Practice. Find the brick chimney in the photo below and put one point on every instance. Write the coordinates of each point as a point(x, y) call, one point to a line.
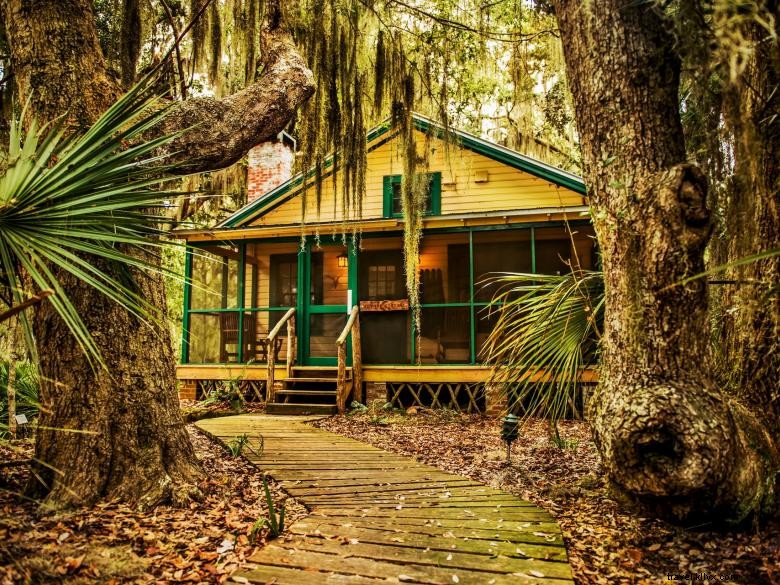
point(269, 165)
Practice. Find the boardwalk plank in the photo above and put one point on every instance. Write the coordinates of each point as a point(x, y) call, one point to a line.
point(411, 540)
point(448, 559)
point(346, 562)
point(540, 535)
point(378, 517)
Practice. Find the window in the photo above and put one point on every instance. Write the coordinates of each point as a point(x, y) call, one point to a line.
point(381, 281)
point(393, 206)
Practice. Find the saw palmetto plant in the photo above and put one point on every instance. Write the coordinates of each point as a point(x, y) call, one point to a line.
point(69, 200)
point(547, 333)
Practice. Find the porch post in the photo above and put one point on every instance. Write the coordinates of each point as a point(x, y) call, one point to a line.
point(241, 301)
point(185, 320)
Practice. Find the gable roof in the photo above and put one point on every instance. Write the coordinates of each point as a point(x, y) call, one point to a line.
point(463, 139)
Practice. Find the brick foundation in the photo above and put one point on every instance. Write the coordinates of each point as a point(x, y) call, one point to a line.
point(188, 389)
point(495, 401)
point(376, 392)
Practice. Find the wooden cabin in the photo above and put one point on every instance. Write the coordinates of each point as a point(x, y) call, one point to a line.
point(350, 335)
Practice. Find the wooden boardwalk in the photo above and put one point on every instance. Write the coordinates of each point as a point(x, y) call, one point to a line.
point(379, 517)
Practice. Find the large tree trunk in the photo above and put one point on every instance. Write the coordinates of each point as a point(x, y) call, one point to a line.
point(668, 435)
point(115, 433)
point(119, 433)
point(751, 225)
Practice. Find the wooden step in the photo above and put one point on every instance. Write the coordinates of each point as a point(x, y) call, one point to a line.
point(299, 409)
point(317, 372)
point(313, 380)
point(306, 392)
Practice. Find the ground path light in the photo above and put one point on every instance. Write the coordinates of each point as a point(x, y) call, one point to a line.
point(509, 432)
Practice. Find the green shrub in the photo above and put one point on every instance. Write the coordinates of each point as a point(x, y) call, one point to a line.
point(274, 521)
point(26, 386)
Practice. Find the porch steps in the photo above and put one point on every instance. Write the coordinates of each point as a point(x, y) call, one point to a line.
point(309, 390)
point(299, 409)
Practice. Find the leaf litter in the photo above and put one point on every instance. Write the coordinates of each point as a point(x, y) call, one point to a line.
point(114, 543)
point(608, 540)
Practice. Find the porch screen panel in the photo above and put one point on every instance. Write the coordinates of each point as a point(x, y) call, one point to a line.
point(559, 249)
point(206, 338)
point(270, 289)
point(324, 330)
point(214, 278)
point(213, 315)
point(553, 250)
point(271, 275)
point(385, 335)
point(485, 318)
point(444, 335)
point(496, 253)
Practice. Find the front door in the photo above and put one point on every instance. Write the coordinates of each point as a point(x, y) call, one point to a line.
point(384, 335)
point(324, 309)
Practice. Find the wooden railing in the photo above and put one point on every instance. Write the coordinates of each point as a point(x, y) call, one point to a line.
point(342, 389)
point(289, 319)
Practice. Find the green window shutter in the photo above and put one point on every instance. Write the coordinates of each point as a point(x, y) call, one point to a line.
point(389, 181)
point(435, 193)
point(387, 200)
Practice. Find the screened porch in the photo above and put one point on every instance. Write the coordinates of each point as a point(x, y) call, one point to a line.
point(241, 291)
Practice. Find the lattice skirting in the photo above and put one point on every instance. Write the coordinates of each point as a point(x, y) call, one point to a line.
point(252, 390)
point(457, 396)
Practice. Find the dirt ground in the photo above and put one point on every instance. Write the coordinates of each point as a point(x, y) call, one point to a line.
point(608, 542)
point(113, 543)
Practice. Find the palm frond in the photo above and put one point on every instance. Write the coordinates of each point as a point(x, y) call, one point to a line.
point(546, 335)
point(67, 200)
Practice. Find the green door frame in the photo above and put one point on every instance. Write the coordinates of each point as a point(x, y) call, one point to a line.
point(306, 309)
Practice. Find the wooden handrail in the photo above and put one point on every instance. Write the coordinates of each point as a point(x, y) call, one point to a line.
point(350, 322)
point(352, 326)
point(289, 320)
point(275, 331)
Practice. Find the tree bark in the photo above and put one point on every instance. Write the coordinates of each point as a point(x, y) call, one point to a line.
point(668, 435)
point(751, 305)
point(119, 433)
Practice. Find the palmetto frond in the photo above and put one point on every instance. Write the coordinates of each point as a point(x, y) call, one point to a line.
point(66, 201)
point(546, 334)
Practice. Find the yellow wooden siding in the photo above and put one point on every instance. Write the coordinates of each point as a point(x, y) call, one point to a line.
point(505, 189)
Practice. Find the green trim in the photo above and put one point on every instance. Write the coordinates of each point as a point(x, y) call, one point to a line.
point(413, 333)
point(471, 299)
point(533, 250)
point(301, 321)
point(226, 282)
point(352, 284)
point(388, 181)
point(307, 309)
point(241, 301)
point(246, 310)
point(185, 318)
point(471, 142)
point(503, 155)
point(326, 309)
